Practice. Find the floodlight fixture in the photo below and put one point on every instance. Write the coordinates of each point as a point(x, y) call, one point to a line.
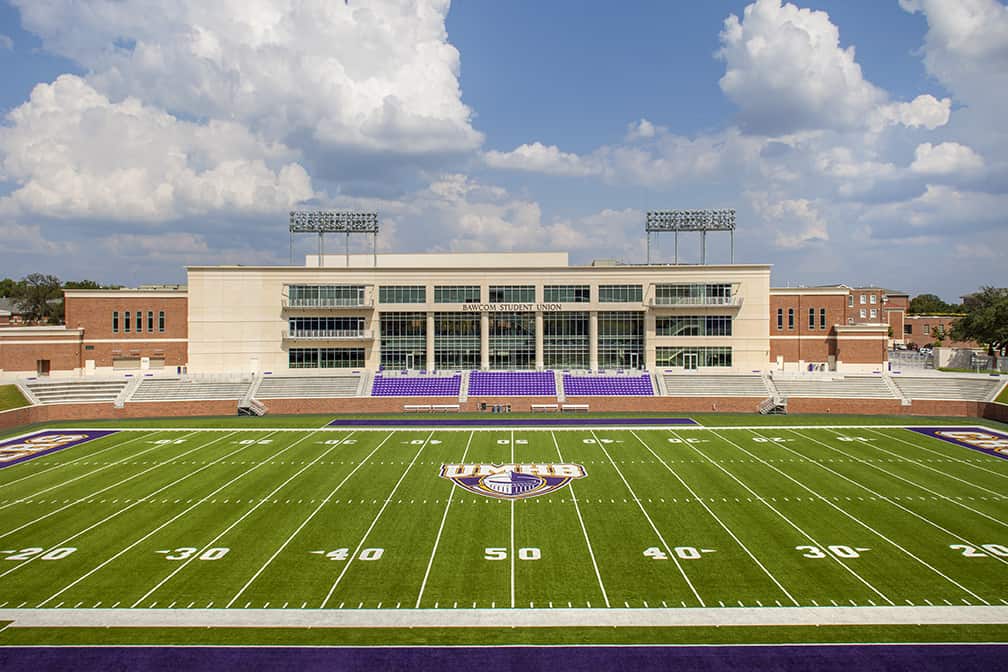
point(676, 221)
point(346, 222)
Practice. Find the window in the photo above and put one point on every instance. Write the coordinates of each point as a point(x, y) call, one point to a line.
point(457, 294)
point(325, 296)
point(620, 340)
point(862, 313)
point(822, 318)
point(565, 340)
point(790, 318)
point(457, 340)
point(873, 299)
point(403, 294)
point(512, 294)
point(139, 321)
point(325, 327)
point(926, 330)
point(874, 313)
point(689, 357)
point(780, 319)
point(908, 330)
point(701, 325)
point(115, 321)
point(620, 294)
point(160, 321)
point(404, 340)
point(512, 340)
point(126, 321)
point(325, 358)
point(862, 299)
point(150, 321)
point(666, 295)
point(850, 300)
point(566, 294)
point(811, 318)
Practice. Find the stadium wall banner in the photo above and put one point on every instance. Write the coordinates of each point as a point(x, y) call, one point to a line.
point(512, 481)
point(13, 451)
point(980, 439)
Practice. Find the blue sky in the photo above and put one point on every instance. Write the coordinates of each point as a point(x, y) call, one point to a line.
point(860, 142)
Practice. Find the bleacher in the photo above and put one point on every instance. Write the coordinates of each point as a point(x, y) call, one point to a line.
point(512, 384)
point(850, 387)
point(697, 385)
point(935, 387)
point(587, 385)
point(174, 389)
point(420, 385)
point(307, 387)
point(76, 391)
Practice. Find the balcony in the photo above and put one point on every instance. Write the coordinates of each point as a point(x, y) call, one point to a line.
point(327, 304)
point(328, 335)
point(674, 302)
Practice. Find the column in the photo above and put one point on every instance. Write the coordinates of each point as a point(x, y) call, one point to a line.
point(430, 342)
point(650, 331)
point(484, 341)
point(593, 340)
point(539, 340)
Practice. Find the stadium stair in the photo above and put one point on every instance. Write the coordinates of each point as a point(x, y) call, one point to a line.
point(720, 385)
point(898, 393)
point(308, 387)
point(851, 387)
point(948, 389)
point(76, 392)
point(175, 389)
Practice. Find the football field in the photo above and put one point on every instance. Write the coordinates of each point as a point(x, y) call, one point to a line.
point(368, 519)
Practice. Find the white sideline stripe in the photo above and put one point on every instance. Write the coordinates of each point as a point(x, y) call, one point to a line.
point(911, 482)
point(164, 524)
point(903, 441)
point(511, 550)
point(716, 518)
point(900, 506)
point(405, 618)
point(766, 502)
point(584, 530)
point(78, 500)
point(127, 508)
point(308, 519)
point(858, 520)
point(85, 456)
point(444, 517)
point(947, 456)
point(637, 499)
point(374, 522)
point(237, 522)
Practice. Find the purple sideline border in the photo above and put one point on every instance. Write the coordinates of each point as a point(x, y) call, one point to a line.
point(727, 658)
point(90, 435)
point(513, 422)
point(933, 433)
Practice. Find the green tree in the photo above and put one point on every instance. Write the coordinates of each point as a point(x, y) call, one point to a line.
point(930, 304)
point(81, 284)
point(986, 319)
point(32, 296)
point(7, 287)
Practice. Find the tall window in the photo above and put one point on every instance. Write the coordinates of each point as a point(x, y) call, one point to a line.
point(872, 299)
point(456, 340)
point(404, 340)
point(566, 293)
point(811, 318)
point(790, 318)
point(139, 321)
point(926, 330)
point(862, 299)
point(160, 321)
point(861, 313)
point(565, 340)
point(850, 300)
point(620, 340)
point(126, 321)
point(512, 294)
point(150, 321)
point(694, 325)
point(780, 319)
point(115, 321)
point(325, 358)
point(402, 294)
point(620, 294)
point(874, 313)
point(512, 340)
point(457, 294)
point(822, 318)
point(719, 294)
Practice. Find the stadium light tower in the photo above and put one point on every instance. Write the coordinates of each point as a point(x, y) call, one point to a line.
point(334, 221)
point(690, 220)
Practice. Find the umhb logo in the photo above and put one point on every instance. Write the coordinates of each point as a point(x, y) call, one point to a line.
point(977, 438)
point(512, 481)
point(41, 443)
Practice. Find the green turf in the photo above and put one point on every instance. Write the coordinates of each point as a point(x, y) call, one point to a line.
point(11, 397)
point(739, 516)
point(1003, 397)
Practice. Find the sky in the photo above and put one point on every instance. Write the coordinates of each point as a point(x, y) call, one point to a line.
point(860, 141)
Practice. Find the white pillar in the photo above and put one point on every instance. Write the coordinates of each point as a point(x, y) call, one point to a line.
point(593, 340)
point(539, 340)
point(484, 341)
point(430, 342)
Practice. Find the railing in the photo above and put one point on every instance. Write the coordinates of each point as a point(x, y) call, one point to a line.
point(694, 301)
point(328, 334)
point(365, 302)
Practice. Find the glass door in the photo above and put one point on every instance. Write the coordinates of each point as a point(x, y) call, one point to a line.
point(690, 361)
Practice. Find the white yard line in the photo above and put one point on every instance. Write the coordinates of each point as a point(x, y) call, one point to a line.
point(939, 453)
point(857, 520)
point(765, 501)
point(307, 520)
point(136, 502)
point(584, 530)
point(444, 517)
point(713, 515)
point(238, 521)
point(166, 523)
point(420, 618)
point(373, 523)
point(939, 471)
point(668, 549)
point(511, 550)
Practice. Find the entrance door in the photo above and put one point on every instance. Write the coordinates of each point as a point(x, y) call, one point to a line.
point(634, 360)
point(409, 360)
point(690, 361)
point(42, 367)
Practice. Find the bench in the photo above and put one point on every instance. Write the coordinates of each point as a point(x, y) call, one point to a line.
point(544, 408)
point(574, 408)
point(445, 407)
point(417, 408)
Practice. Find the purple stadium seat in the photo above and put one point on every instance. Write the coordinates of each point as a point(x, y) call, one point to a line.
point(406, 386)
point(512, 384)
point(608, 386)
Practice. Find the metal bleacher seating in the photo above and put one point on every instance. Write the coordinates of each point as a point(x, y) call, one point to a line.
point(850, 387)
point(698, 385)
point(76, 391)
point(172, 389)
point(512, 384)
point(307, 387)
point(936, 387)
point(421, 385)
point(587, 385)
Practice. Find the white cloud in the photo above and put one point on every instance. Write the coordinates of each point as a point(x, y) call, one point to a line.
point(794, 223)
point(923, 111)
point(640, 130)
point(540, 158)
point(947, 158)
point(377, 76)
point(73, 153)
point(6, 42)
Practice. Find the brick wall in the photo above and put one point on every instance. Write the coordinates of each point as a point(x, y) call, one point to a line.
point(101, 344)
point(860, 351)
point(17, 355)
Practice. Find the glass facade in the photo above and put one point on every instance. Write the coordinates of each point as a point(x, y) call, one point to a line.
point(402, 294)
point(672, 295)
point(620, 293)
point(566, 340)
point(325, 327)
point(567, 293)
point(621, 340)
point(512, 340)
point(456, 340)
point(693, 357)
point(325, 358)
point(457, 294)
point(325, 296)
point(512, 294)
point(404, 340)
point(694, 325)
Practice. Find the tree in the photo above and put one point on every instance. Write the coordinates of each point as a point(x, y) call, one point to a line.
point(81, 284)
point(32, 295)
point(986, 319)
point(930, 304)
point(7, 287)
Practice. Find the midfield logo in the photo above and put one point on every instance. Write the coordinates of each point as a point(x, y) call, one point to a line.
point(512, 481)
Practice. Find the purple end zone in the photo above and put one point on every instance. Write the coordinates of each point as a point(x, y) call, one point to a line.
point(783, 658)
point(497, 421)
point(15, 451)
point(982, 439)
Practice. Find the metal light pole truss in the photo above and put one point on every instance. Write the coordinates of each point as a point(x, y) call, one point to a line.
point(322, 222)
point(658, 221)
